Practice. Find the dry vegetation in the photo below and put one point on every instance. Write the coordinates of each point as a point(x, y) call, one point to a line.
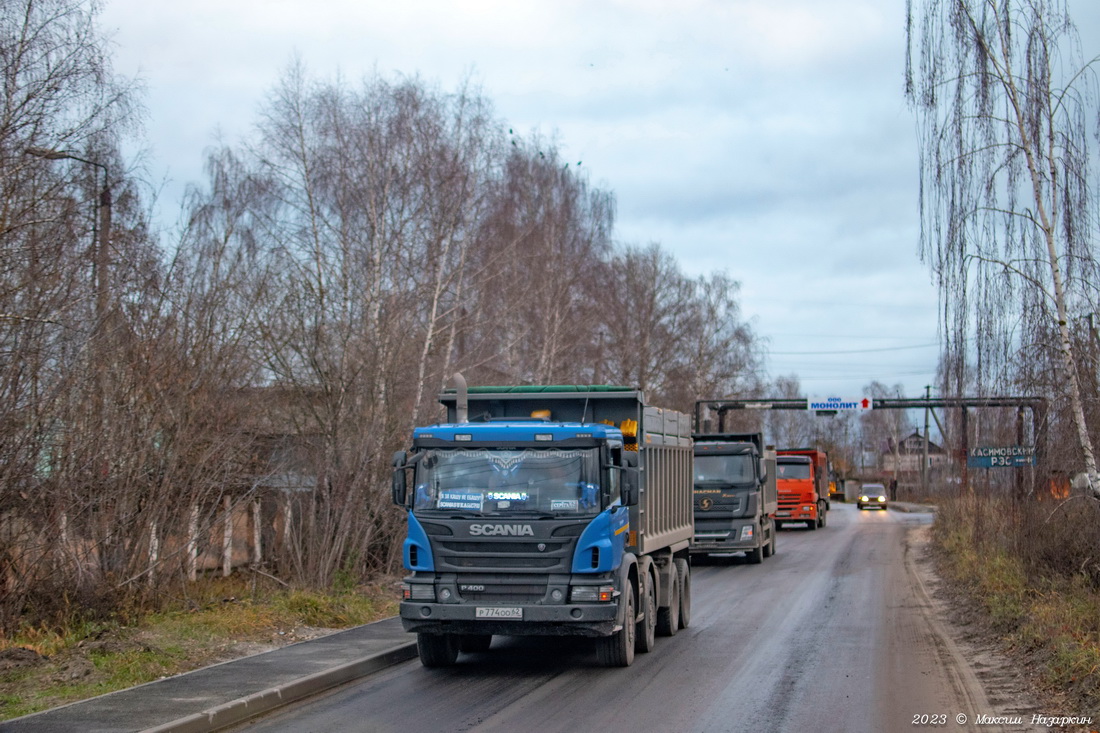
point(262, 363)
point(207, 622)
point(1038, 589)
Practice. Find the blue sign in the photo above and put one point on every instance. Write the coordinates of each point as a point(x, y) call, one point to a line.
point(1007, 456)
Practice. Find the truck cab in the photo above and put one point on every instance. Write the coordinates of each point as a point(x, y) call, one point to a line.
point(734, 495)
point(553, 511)
point(802, 478)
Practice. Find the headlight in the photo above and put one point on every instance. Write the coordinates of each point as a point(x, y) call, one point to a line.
point(807, 508)
point(591, 593)
point(882, 498)
point(864, 498)
point(417, 591)
point(746, 532)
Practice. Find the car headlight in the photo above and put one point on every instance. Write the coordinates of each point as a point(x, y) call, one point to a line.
point(882, 498)
point(864, 498)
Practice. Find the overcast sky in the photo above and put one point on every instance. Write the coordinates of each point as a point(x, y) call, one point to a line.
point(767, 138)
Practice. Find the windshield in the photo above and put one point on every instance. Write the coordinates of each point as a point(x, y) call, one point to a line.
point(501, 482)
point(793, 470)
point(724, 469)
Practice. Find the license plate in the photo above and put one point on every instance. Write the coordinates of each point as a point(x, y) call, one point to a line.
point(782, 514)
point(498, 613)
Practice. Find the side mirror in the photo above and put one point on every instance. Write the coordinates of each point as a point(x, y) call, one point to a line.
point(400, 488)
point(630, 489)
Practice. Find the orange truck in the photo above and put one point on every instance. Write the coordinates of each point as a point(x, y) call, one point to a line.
point(802, 478)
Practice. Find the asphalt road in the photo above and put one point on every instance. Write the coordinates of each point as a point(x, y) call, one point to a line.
point(834, 633)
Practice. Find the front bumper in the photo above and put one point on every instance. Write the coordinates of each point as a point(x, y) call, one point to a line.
point(572, 619)
point(727, 540)
point(795, 515)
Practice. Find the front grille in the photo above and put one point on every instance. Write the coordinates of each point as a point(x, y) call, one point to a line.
point(547, 548)
point(496, 548)
point(463, 562)
point(503, 588)
point(480, 553)
point(722, 504)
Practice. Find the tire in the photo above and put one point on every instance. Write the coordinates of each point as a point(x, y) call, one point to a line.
point(668, 617)
point(755, 556)
point(823, 518)
point(645, 638)
point(474, 643)
point(811, 525)
point(775, 538)
point(617, 650)
point(768, 547)
point(437, 650)
point(683, 573)
point(778, 526)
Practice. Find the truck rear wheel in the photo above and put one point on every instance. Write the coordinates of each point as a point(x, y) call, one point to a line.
point(437, 650)
point(617, 650)
point(683, 572)
point(668, 618)
point(474, 643)
point(645, 638)
point(822, 516)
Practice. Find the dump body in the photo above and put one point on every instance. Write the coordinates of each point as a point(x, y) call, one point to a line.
point(735, 495)
point(803, 486)
point(538, 514)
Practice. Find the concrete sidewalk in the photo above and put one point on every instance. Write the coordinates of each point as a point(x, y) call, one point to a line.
point(214, 697)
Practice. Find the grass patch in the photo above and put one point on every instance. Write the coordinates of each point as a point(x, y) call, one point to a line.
point(209, 621)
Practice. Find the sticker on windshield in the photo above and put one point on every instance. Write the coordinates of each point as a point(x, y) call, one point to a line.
point(506, 496)
point(460, 500)
point(563, 505)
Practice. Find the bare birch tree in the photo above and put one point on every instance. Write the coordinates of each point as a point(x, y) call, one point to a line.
point(1007, 110)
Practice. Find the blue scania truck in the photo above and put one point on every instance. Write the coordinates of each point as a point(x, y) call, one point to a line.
point(546, 510)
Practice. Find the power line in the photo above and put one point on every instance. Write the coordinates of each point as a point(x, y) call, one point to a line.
point(852, 351)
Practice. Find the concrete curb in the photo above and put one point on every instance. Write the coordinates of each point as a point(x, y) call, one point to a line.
point(913, 508)
point(242, 709)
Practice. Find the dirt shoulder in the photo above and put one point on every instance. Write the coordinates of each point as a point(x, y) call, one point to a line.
point(1014, 690)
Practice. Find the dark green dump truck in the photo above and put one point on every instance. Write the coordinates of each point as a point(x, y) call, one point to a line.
point(735, 495)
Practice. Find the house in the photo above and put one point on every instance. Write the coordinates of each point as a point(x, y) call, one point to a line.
point(906, 455)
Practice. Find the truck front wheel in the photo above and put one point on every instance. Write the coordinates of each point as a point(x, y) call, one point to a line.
point(437, 650)
point(756, 555)
point(617, 650)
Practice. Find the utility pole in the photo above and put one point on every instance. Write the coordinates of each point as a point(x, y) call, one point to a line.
point(924, 456)
point(101, 275)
